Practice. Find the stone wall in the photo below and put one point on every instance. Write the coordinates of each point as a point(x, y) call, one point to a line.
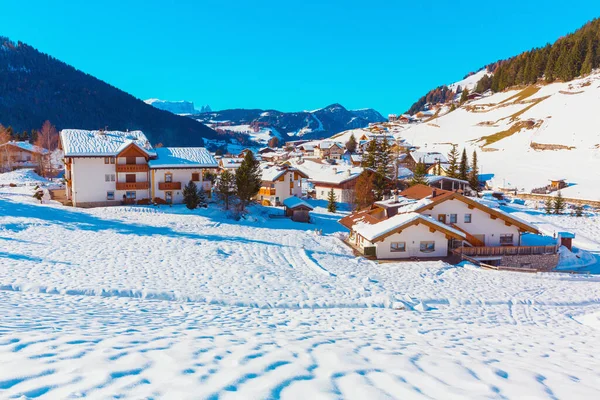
point(542, 262)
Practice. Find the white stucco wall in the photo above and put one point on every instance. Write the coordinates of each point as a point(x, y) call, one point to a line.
point(282, 188)
point(89, 184)
point(342, 195)
point(412, 236)
point(183, 175)
point(481, 223)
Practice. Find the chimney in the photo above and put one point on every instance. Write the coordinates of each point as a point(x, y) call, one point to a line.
point(348, 172)
point(396, 197)
point(335, 170)
point(434, 193)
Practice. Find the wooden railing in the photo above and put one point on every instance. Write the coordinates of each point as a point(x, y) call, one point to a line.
point(132, 185)
point(132, 167)
point(169, 185)
point(505, 250)
point(266, 191)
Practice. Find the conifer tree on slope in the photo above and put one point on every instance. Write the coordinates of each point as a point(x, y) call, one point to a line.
point(190, 195)
point(363, 191)
point(331, 198)
point(225, 187)
point(474, 173)
point(383, 166)
point(559, 204)
point(202, 201)
point(369, 159)
point(248, 179)
point(351, 144)
point(419, 175)
point(453, 163)
point(463, 168)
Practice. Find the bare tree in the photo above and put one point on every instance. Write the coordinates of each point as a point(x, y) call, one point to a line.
point(4, 155)
point(47, 138)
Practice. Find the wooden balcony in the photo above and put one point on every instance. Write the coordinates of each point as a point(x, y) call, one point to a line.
point(169, 185)
point(505, 250)
point(132, 185)
point(266, 191)
point(132, 167)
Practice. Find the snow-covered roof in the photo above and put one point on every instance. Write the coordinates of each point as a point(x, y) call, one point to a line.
point(373, 231)
point(436, 178)
point(23, 145)
point(356, 157)
point(293, 202)
point(173, 157)
point(77, 142)
point(428, 157)
point(272, 172)
point(404, 204)
point(327, 145)
point(230, 162)
point(335, 175)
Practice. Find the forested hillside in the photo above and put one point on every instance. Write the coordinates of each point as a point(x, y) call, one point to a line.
point(570, 56)
point(35, 87)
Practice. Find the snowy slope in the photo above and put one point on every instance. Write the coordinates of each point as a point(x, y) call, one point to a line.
point(559, 135)
point(470, 81)
point(138, 302)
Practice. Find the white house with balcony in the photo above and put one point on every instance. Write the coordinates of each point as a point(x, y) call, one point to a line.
point(113, 167)
point(174, 167)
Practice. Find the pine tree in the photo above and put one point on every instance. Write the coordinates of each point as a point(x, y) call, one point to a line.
point(419, 176)
point(248, 179)
point(549, 206)
point(225, 187)
point(463, 168)
point(190, 195)
point(474, 173)
point(331, 199)
point(369, 159)
point(579, 210)
point(464, 96)
point(383, 159)
point(452, 171)
point(202, 201)
point(351, 144)
point(559, 203)
point(363, 191)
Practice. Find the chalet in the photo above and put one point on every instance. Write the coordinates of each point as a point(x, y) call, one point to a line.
point(307, 149)
point(447, 183)
point(428, 158)
point(425, 114)
point(423, 222)
point(230, 163)
point(266, 150)
point(175, 167)
point(297, 209)
point(392, 117)
point(440, 169)
point(112, 167)
point(341, 180)
point(106, 167)
point(328, 150)
point(273, 156)
point(356, 160)
point(279, 182)
point(15, 155)
point(557, 184)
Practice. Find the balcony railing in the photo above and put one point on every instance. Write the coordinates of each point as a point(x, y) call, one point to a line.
point(132, 167)
point(266, 191)
point(505, 250)
point(132, 185)
point(169, 185)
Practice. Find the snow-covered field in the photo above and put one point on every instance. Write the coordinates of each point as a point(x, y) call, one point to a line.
point(143, 302)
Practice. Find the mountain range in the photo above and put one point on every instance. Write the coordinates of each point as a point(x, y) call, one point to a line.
point(314, 124)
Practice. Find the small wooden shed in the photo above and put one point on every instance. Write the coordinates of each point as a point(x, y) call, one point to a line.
point(566, 239)
point(297, 209)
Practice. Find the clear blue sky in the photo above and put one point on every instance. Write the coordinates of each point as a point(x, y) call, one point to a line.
point(287, 55)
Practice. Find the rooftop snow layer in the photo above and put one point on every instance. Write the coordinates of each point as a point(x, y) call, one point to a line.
point(272, 172)
point(27, 147)
point(78, 142)
point(171, 157)
point(428, 157)
point(373, 231)
point(293, 202)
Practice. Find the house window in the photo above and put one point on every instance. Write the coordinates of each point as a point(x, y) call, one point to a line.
point(107, 178)
point(195, 176)
point(112, 177)
point(130, 195)
point(272, 186)
point(398, 247)
point(110, 195)
point(169, 197)
point(168, 177)
point(106, 160)
point(506, 239)
point(453, 218)
point(112, 160)
point(427, 247)
point(467, 218)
